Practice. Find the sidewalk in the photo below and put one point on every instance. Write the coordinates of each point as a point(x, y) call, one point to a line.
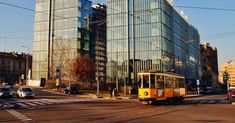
point(92, 94)
point(105, 95)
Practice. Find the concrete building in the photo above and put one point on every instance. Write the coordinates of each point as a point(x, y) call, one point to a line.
point(209, 65)
point(61, 33)
point(13, 66)
point(228, 67)
point(98, 38)
point(153, 35)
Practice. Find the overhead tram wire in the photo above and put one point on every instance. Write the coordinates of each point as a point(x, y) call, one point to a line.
point(20, 31)
point(219, 35)
point(28, 9)
point(4, 37)
point(17, 6)
point(206, 8)
point(189, 7)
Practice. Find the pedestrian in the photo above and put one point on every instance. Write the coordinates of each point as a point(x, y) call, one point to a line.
point(110, 91)
point(114, 92)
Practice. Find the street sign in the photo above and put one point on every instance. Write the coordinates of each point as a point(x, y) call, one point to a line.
point(58, 72)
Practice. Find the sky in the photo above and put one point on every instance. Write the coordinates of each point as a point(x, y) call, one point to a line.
point(215, 27)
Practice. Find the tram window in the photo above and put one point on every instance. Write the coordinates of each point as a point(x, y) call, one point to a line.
point(145, 81)
point(152, 78)
point(181, 83)
point(173, 80)
point(160, 81)
point(139, 81)
point(167, 82)
point(176, 83)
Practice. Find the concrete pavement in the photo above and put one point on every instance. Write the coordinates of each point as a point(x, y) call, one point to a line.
point(133, 97)
point(93, 95)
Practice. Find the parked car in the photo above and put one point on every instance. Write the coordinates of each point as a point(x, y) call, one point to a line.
point(208, 90)
point(201, 91)
point(24, 92)
point(5, 92)
point(71, 90)
point(4, 84)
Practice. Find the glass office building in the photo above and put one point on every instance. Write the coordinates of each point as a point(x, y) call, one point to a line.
point(149, 35)
point(61, 32)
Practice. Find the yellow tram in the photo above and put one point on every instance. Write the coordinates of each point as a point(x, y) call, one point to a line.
point(158, 86)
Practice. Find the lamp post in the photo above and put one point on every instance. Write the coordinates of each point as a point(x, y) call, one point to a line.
point(27, 61)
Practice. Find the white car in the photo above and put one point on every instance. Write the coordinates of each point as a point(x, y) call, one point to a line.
point(24, 92)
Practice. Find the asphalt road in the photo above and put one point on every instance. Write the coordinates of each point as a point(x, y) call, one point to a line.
point(60, 108)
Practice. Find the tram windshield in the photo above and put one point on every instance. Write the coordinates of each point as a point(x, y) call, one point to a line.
point(145, 82)
point(155, 80)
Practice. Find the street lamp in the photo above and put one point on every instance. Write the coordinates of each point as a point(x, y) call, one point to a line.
point(27, 61)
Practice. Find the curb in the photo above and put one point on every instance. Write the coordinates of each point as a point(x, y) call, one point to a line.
point(90, 95)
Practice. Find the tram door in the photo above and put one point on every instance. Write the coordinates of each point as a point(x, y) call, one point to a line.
point(160, 86)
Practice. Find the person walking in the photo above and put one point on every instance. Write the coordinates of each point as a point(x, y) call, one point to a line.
point(110, 91)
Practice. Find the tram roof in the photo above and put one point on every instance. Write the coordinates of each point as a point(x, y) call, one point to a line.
point(160, 72)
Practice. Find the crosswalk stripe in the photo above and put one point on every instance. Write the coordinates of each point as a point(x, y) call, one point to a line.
point(31, 104)
point(54, 101)
point(212, 101)
point(45, 102)
point(21, 104)
point(39, 103)
point(18, 115)
point(202, 101)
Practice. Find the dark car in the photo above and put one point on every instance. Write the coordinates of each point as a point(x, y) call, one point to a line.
point(71, 90)
point(5, 92)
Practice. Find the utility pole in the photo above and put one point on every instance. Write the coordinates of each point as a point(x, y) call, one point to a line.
point(128, 46)
point(133, 39)
point(49, 42)
point(97, 61)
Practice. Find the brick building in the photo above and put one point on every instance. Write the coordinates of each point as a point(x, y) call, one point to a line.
point(13, 66)
point(209, 65)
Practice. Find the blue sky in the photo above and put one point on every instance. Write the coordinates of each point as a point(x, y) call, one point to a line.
point(209, 22)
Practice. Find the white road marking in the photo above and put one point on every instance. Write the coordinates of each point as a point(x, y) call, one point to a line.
point(31, 104)
point(22, 105)
point(202, 101)
point(38, 103)
point(212, 101)
point(18, 115)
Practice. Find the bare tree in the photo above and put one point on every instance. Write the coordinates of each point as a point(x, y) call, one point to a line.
point(83, 69)
point(62, 57)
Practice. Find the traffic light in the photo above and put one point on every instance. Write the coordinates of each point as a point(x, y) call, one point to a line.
point(225, 77)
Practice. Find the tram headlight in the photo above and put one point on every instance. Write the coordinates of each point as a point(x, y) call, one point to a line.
point(146, 93)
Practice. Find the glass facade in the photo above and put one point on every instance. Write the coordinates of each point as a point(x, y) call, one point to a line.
point(149, 34)
point(61, 32)
point(98, 39)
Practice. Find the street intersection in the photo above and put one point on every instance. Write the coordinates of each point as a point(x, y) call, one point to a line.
point(55, 107)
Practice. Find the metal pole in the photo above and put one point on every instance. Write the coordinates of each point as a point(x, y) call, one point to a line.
point(124, 87)
point(49, 42)
point(97, 62)
point(133, 40)
point(128, 44)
